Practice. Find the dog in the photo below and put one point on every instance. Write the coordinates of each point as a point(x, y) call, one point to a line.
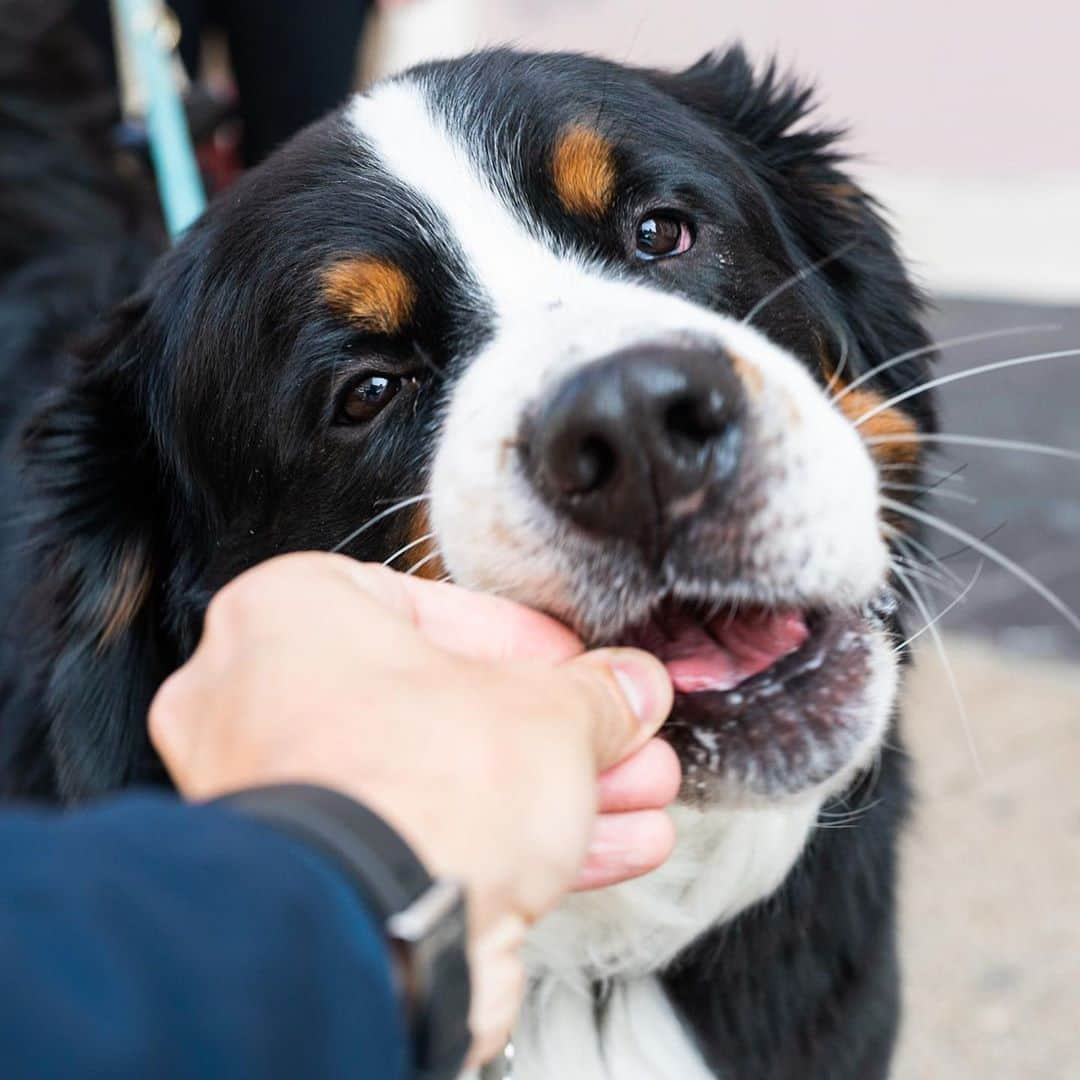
point(617, 343)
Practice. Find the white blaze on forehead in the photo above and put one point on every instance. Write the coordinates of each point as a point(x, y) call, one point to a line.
point(521, 268)
point(414, 145)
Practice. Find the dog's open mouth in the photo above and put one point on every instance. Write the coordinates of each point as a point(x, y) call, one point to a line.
point(720, 652)
point(769, 699)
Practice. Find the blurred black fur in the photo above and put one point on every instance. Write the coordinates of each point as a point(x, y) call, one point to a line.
point(78, 229)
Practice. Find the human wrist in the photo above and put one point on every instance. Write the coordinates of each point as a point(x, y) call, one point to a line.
point(423, 920)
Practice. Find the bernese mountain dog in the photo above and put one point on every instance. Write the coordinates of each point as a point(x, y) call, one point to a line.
point(617, 343)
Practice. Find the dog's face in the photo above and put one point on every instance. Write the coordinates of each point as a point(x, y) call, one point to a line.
point(551, 328)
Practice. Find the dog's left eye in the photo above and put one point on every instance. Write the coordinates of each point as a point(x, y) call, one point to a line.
point(366, 397)
point(662, 236)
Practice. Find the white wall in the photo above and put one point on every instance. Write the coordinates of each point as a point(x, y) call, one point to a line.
point(940, 84)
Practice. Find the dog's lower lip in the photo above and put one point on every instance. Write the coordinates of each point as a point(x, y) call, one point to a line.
point(788, 727)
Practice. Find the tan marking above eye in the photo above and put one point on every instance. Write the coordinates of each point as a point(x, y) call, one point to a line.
point(370, 291)
point(583, 169)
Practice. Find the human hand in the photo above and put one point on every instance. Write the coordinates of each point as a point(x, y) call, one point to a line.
point(418, 700)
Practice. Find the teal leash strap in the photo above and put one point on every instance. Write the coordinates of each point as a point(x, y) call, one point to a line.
point(147, 26)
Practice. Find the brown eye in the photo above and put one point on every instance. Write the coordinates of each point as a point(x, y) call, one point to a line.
point(366, 397)
point(660, 236)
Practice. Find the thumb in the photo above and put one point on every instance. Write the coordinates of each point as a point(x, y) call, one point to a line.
point(629, 696)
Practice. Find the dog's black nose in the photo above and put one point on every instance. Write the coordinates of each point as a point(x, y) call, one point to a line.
point(635, 442)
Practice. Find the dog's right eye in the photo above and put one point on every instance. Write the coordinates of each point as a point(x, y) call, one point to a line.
point(366, 397)
point(662, 235)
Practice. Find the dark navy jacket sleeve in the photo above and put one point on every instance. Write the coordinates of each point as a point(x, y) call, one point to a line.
point(146, 938)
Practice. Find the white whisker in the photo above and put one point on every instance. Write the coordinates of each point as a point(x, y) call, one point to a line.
point(921, 490)
point(423, 562)
point(991, 553)
point(934, 580)
point(906, 643)
point(913, 547)
point(408, 547)
point(968, 373)
point(834, 378)
point(411, 501)
point(942, 475)
point(948, 343)
point(795, 279)
point(951, 439)
point(911, 563)
point(846, 820)
point(939, 646)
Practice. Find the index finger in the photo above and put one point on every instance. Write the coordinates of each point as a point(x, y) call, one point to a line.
point(477, 625)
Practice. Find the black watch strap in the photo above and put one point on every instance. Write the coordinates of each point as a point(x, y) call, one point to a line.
point(424, 919)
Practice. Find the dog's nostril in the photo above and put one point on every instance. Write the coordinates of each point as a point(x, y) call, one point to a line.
point(595, 466)
point(696, 420)
point(580, 463)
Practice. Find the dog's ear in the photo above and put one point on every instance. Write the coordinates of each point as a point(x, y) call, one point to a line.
point(764, 109)
point(862, 283)
point(94, 509)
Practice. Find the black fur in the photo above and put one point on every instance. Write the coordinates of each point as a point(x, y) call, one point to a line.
point(806, 984)
point(192, 433)
point(78, 230)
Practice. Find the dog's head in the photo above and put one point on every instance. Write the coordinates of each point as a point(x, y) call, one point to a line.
point(575, 333)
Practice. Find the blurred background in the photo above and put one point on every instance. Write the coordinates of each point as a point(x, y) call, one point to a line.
point(963, 120)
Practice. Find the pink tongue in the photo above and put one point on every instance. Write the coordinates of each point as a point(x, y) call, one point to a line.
point(730, 650)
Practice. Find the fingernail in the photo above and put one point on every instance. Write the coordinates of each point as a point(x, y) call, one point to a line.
point(642, 681)
point(636, 697)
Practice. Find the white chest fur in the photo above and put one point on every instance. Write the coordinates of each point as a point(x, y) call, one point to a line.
point(725, 861)
point(636, 1035)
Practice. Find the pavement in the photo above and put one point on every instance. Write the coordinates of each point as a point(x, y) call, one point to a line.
point(1027, 505)
point(990, 895)
point(990, 929)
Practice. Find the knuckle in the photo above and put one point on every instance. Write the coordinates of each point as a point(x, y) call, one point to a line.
point(232, 607)
point(220, 610)
point(161, 718)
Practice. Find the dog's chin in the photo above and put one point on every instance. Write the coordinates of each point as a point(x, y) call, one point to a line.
point(771, 703)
